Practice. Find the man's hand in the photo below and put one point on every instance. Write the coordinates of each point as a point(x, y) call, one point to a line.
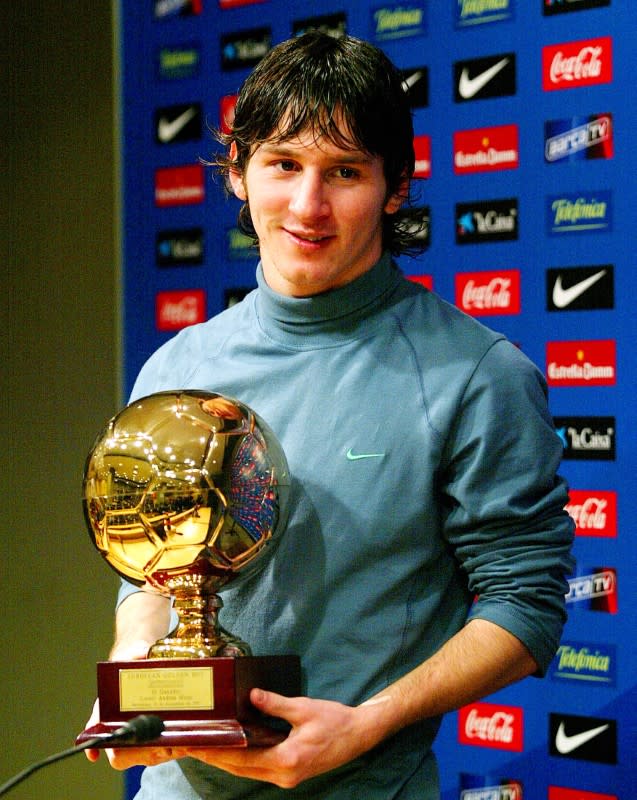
point(477, 661)
point(141, 619)
point(324, 735)
point(125, 757)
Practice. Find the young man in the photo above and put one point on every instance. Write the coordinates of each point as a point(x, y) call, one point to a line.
point(420, 446)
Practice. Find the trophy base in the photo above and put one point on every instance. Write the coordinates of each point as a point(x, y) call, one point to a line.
point(203, 702)
point(201, 733)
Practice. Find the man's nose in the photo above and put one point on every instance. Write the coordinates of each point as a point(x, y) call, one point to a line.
point(309, 199)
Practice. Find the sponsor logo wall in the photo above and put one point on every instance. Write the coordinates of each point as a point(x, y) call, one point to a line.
point(524, 138)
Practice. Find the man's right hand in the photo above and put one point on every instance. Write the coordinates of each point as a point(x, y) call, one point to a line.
point(142, 618)
point(125, 757)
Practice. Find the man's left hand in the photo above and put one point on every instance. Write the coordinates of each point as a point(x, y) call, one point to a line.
point(324, 736)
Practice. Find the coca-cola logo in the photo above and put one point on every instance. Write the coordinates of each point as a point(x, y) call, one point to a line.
point(594, 512)
point(488, 293)
point(490, 725)
point(178, 309)
point(227, 106)
point(582, 63)
point(233, 3)
point(563, 793)
point(424, 280)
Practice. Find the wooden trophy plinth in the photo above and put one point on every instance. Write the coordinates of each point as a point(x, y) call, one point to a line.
point(203, 702)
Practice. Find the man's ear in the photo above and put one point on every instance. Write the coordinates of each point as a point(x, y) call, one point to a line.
point(235, 176)
point(395, 200)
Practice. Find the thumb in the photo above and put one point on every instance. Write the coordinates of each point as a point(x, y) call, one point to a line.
point(271, 703)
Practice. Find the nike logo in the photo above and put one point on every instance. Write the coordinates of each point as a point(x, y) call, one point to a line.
point(564, 297)
point(469, 87)
point(566, 744)
point(358, 456)
point(168, 129)
point(412, 80)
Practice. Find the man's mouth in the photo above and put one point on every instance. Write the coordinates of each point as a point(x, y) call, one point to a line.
point(311, 238)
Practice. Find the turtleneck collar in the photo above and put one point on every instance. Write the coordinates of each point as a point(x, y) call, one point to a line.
point(331, 316)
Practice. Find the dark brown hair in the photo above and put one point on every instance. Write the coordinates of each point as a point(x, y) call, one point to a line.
point(340, 88)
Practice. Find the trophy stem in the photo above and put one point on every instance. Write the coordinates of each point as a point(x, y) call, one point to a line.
point(198, 633)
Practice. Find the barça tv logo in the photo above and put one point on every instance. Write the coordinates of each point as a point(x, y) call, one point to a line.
point(578, 138)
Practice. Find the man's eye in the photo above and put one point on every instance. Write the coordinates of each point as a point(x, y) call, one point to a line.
point(346, 172)
point(286, 166)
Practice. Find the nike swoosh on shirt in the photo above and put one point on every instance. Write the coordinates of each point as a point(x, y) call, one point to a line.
point(358, 456)
point(168, 129)
point(564, 297)
point(469, 87)
point(565, 744)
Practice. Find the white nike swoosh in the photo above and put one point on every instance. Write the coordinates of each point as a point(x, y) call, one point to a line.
point(357, 457)
point(564, 297)
point(566, 744)
point(468, 87)
point(168, 129)
point(412, 80)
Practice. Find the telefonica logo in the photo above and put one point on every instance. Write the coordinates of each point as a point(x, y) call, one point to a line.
point(178, 62)
point(238, 245)
point(585, 662)
point(476, 12)
point(332, 24)
point(397, 22)
point(581, 212)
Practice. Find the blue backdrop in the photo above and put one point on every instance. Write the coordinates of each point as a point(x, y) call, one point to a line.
point(524, 115)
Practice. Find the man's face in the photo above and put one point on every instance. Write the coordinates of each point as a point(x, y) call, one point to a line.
point(317, 210)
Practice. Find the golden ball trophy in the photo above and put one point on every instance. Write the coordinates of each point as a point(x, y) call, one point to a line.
point(184, 493)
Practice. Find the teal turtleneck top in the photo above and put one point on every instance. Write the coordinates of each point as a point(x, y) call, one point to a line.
point(423, 463)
